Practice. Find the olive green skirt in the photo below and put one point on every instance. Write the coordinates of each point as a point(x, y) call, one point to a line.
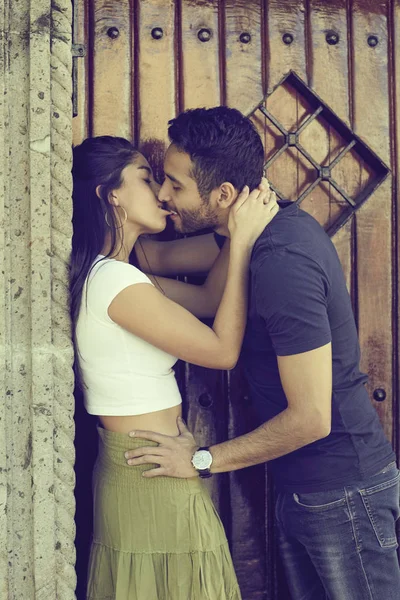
point(154, 539)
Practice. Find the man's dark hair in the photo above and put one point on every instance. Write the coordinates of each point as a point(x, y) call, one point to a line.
point(223, 145)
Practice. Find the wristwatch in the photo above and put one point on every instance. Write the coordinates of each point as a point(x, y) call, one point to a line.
point(202, 461)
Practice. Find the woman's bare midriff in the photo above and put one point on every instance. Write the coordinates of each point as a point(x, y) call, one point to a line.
point(161, 421)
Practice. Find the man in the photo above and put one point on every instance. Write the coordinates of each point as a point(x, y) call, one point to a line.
point(335, 473)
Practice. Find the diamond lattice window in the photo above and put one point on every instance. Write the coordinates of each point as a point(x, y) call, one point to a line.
point(312, 157)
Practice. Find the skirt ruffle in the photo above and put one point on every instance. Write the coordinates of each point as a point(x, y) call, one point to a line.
point(119, 575)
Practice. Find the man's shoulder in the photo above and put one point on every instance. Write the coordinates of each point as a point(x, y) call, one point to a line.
point(293, 235)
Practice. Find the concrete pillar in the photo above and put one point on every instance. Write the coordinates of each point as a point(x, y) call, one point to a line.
point(36, 415)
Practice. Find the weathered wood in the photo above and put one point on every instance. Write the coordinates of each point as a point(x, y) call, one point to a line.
point(140, 81)
point(200, 84)
point(80, 123)
point(327, 20)
point(155, 79)
point(244, 56)
point(244, 89)
point(373, 221)
point(247, 500)
point(286, 19)
point(111, 49)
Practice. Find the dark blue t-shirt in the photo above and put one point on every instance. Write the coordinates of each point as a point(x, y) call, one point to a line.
point(299, 302)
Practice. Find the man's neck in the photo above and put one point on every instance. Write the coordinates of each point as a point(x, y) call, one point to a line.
point(223, 230)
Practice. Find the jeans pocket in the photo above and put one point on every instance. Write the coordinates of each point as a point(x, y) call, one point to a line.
point(320, 501)
point(382, 504)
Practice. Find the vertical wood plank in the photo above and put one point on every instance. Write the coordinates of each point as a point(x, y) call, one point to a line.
point(111, 91)
point(285, 19)
point(200, 87)
point(373, 221)
point(80, 123)
point(247, 509)
point(244, 90)
point(201, 60)
point(243, 67)
point(156, 68)
point(282, 19)
point(326, 21)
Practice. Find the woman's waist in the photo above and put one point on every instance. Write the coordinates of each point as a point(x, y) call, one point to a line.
point(112, 468)
point(122, 400)
point(161, 421)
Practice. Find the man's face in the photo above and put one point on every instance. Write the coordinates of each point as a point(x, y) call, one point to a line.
point(181, 194)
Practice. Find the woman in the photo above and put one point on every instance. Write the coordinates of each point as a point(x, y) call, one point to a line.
point(153, 538)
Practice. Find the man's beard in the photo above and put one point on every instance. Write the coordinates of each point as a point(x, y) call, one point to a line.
point(203, 217)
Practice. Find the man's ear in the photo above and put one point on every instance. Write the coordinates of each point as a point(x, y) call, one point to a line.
point(227, 195)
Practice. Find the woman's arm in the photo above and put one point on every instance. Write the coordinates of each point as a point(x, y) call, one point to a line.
point(147, 313)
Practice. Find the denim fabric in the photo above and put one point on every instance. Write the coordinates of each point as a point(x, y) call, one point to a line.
point(341, 544)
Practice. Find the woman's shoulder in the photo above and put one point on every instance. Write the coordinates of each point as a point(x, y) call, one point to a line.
point(108, 277)
point(107, 269)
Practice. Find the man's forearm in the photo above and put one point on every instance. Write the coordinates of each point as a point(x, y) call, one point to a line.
point(283, 434)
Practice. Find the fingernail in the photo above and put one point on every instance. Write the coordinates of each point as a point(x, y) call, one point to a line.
point(131, 433)
point(126, 455)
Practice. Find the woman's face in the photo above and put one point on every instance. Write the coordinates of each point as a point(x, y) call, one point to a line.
point(138, 196)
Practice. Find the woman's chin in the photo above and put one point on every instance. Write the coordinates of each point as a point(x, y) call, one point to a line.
point(154, 230)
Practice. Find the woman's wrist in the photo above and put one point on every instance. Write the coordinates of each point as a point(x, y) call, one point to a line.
point(241, 247)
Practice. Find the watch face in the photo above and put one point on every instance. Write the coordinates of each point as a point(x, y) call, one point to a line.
point(202, 459)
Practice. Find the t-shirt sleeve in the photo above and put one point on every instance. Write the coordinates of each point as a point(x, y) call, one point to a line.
point(107, 281)
point(291, 293)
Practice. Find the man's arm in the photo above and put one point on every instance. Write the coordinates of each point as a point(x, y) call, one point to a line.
point(201, 300)
point(186, 256)
point(307, 382)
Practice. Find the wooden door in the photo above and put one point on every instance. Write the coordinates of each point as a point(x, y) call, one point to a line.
point(322, 83)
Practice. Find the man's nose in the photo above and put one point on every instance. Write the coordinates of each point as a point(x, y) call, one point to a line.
point(157, 188)
point(163, 194)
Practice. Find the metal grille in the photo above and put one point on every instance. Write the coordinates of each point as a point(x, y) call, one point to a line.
point(323, 173)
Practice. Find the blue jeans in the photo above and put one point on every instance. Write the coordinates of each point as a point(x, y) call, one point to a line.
point(341, 544)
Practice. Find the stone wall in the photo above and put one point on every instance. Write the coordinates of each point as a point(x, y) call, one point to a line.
point(37, 532)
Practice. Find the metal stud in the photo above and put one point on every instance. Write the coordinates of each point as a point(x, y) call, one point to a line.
point(205, 400)
point(379, 395)
point(113, 33)
point(157, 33)
point(204, 35)
point(245, 37)
point(373, 41)
point(332, 38)
point(287, 38)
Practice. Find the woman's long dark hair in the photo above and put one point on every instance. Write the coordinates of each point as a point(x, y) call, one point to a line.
point(98, 161)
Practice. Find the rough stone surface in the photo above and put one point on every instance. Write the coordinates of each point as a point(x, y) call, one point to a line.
point(37, 532)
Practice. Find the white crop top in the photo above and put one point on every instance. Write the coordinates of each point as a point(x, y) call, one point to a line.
point(122, 373)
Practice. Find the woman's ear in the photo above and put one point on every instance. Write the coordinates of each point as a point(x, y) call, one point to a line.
point(111, 196)
point(227, 195)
